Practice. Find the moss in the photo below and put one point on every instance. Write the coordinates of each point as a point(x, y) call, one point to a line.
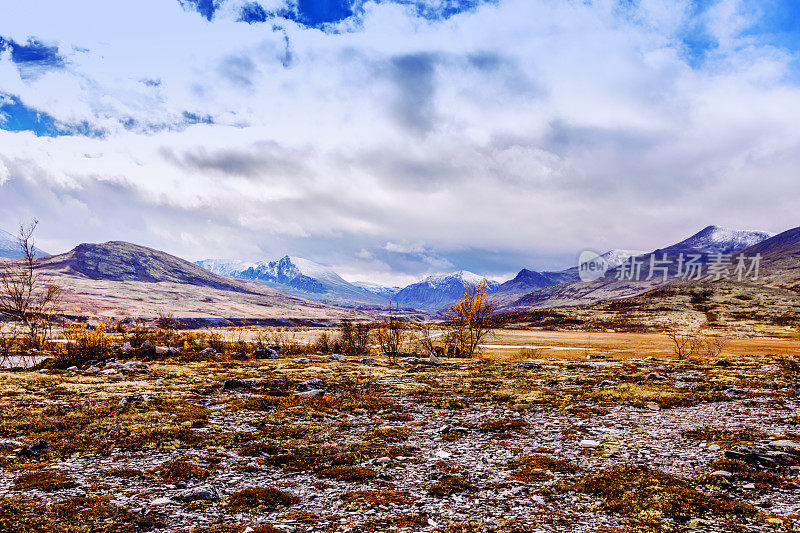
point(503, 425)
point(261, 498)
point(178, 470)
point(375, 498)
point(349, 473)
point(639, 492)
point(389, 433)
point(122, 472)
point(531, 475)
point(45, 481)
point(543, 462)
point(451, 485)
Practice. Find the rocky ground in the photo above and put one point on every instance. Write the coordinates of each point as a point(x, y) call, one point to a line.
point(323, 443)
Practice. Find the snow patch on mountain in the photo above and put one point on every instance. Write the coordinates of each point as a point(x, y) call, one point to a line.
point(10, 247)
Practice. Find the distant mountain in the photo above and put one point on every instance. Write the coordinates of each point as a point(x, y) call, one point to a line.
point(223, 267)
point(440, 291)
point(9, 247)
point(708, 243)
point(714, 240)
point(528, 280)
point(380, 290)
point(123, 261)
point(120, 279)
point(779, 264)
point(301, 277)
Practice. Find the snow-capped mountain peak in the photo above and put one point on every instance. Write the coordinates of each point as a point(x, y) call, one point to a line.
point(615, 258)
point(9, 247)
point(718, 239)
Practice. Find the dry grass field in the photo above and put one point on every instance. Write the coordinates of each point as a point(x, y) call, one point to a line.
point(528, 436)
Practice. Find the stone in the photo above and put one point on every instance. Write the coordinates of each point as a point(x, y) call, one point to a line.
point(264, 352)
point(137, 398)
point(655, 376)
point(421, 361)
point(208, 351)
point(310, 393)
point(161, 502)
point(205, 493)
point(135, 366)
point(587, 443)
point(301, 360)
point(528, 366)
point(311, 384)
point(34, 450)
point(788, 446)
point(232, 384)
point(337, 357)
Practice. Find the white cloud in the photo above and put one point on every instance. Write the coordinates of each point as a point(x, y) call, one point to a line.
point(524, 127)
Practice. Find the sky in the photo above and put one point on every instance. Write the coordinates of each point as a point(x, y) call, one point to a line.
point(393, 139)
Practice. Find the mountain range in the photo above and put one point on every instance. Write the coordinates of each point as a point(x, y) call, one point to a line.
point(119, 278)
point(123, 280)
point(304, 278)
point(435, 293)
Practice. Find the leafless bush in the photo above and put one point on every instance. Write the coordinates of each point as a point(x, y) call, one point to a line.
point(391, 333)
point(685, 345)
point(713, 346)
point(354, 339)
point(24, 296)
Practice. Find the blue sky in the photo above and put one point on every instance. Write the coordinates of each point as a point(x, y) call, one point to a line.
point(396, 138)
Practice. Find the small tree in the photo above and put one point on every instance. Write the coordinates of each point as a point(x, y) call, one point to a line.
point(470, 320)
point(24, 296)
point(684, 344)
point(391, 333)
point(714, 346)
point(354, 338)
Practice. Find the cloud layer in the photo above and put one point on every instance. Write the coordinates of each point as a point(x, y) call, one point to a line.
point(397, 138)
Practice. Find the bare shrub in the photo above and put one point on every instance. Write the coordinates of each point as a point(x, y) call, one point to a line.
point(713, 346)
point(391, 333)
point(685, 345)
point(24, 296)
point(354, 339)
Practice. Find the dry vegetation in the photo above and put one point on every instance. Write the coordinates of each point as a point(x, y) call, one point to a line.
point(498, 444)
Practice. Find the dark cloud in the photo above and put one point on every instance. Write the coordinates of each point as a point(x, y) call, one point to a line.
point(239, 70)
point(414, 76)
point(262, 160)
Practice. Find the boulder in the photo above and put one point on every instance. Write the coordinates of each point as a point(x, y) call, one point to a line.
point(528, 366)
point(264, 352)
point(314, 393)
point(34, 450)
point(205, 493)
point(311, 384)
point(233, 384)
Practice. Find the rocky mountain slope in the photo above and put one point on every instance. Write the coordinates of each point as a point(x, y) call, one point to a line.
point(120, 279)
point(440, 291)
point(300, 277)
point(634, 275)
